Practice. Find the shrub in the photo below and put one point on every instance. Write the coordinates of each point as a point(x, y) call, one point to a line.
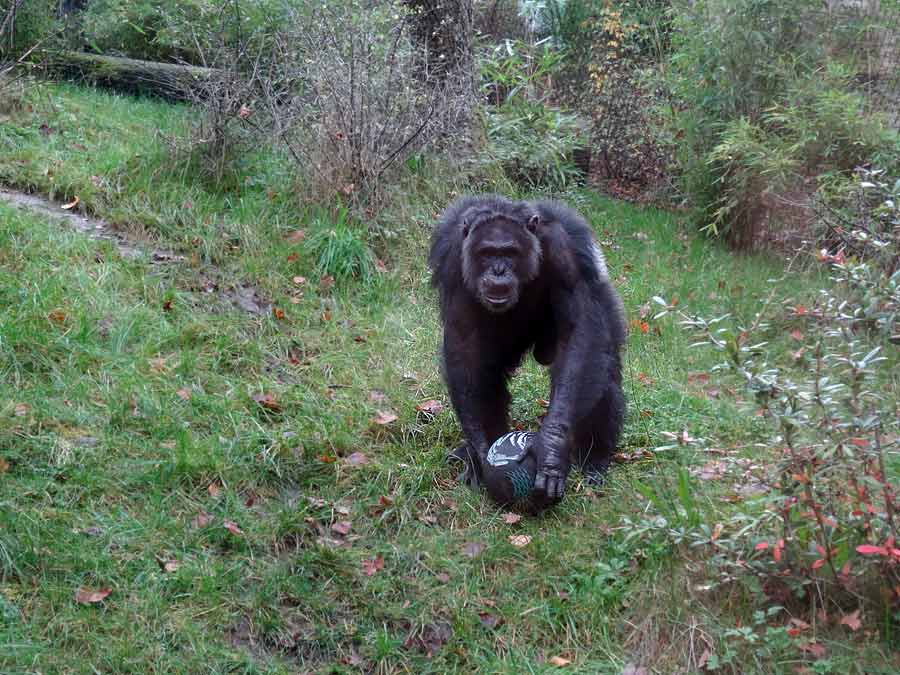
point(171, 30)
point(363, 97)
point(821, 532)
point(533, 142)
point(762, 105)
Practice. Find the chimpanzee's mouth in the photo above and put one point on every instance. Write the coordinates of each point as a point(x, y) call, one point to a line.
point(497, 299)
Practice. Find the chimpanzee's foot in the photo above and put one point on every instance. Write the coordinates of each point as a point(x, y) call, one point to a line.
point(471, 467)
point(594, 471)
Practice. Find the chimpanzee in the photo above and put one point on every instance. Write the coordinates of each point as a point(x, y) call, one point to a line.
point(519, 276)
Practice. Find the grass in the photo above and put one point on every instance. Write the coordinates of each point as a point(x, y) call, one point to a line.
point(133, 430)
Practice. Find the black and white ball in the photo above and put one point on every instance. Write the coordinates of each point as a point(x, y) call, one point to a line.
point(509, 470)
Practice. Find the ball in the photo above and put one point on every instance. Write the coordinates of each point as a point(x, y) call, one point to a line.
point(509, 470)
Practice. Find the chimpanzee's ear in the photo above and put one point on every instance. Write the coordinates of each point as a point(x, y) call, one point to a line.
point(465, 227)
point(533, 223)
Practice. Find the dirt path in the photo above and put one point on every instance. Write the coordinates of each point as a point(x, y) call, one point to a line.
point(243, 296)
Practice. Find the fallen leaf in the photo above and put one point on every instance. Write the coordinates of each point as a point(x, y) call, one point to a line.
point(158, 365)
point(443, 577)
point(201, 520)
point(520, 540)
point(86, 596)
point(267, 401)
point(356, 459)
point(72, 204)
point(815, 649)
point(184, 394)
point(511, 518)
point(384, 417)
point(377, 396)
point(4, 465)
point(233, 528)
point(326, 282)
point(168, 565)
point(278, 313)
point(214, 490)
point(473, 549)
point(57, 316)
point(797, 335)
point(851, 621)
point(559, 661)
point(379, 265)
point(21, 409)
point(632, 669)
point(299, 280)
point(698, 378)
point(645, 379)
point(431, 407)
point(296, 236)
point(488, 620)
point(342, 527)
point(372, 565)
point(244, 112)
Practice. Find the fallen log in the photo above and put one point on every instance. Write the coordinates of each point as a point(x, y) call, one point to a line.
point(168, 81)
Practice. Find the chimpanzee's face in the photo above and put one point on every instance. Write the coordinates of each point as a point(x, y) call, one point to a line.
point(499, 257)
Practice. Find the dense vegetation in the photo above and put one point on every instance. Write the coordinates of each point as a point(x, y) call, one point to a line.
point(222, 423)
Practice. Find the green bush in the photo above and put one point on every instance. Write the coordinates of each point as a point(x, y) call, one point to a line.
point(33, 22)
point(174, 30)
point(817, 530)
point(531, 141)
point(762, 102)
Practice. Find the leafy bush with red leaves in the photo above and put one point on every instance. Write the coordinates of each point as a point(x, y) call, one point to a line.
point(819, 530)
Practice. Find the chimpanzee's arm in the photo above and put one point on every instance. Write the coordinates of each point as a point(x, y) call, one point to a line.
point(579, 373)
point(476, 381)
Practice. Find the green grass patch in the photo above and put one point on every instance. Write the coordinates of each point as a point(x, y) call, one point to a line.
point(219, 472)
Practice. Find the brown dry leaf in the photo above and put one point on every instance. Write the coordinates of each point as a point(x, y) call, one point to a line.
point(72, 204)
point(511, 518)
point(202, 520)
point(372, 565)
point(632, 669)
point(326, 315)
point(356, 459)
point(814, 649)
point(342, 527)
point(158, 365)
point(184, 394)
point(698, 378)
point(168, 565)
point(214, 490)
point(473, 549)
point(851, 621)
point(384, 417)
point(379, 265)
point(443, 577)
point(278, 313)
point(296, 236)
point(232, 527)
point(520, 540)
point(326, 282)
point(57, 316)
point(268, 402)
point(377, 396)
point(86, 596)
point(4, 465)
point(299, 280)
point(559, 661)
point(431, 407)
point(244, 112)
point(489, 621)
point(21, 409)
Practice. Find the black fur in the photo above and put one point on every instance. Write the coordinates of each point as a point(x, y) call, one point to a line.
point(568, 314)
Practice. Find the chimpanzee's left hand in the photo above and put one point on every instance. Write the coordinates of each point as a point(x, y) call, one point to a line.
point(551, 447)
